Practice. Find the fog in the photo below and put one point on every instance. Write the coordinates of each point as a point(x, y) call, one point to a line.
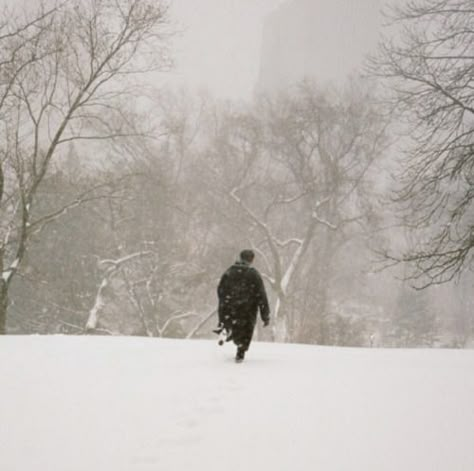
point(220, 45)
point(144, 146)
point(225, 43)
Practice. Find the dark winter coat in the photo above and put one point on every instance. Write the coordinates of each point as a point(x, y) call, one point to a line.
point(241, 295)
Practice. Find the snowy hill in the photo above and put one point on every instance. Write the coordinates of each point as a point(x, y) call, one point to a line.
point(126, 404)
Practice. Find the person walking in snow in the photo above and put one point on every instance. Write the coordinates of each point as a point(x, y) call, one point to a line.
point(241, 294)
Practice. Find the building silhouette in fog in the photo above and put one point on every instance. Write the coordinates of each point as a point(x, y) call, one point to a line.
point(325, 40)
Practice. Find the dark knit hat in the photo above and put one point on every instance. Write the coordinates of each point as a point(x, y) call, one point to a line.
point(247, 255)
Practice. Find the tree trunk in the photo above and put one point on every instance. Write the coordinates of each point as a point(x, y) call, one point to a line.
point(280, 320)
point(3, 306)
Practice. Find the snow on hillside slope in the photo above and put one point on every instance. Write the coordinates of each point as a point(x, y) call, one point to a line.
point(126, 404)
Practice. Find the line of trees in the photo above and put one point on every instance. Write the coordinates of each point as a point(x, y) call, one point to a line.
point(120, 221)
point(427, 72)
point(63, 78)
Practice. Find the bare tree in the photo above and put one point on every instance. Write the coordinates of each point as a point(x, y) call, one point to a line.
point(427, 68)
point(82, 60)
point(17, 40)
point(161, 291)
point(327, 143)
point(132, 284)
point(294, 170)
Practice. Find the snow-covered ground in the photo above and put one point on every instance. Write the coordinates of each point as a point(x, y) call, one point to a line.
point(126, 404)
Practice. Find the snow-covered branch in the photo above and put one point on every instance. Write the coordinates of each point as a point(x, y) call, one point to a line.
point(99, 303)
point(115, 264)
point(174, 318)
point(8, 273)
point(111, 267)
point(318, 218)
point(295, 259)
point(323, 221)
point(205, 319)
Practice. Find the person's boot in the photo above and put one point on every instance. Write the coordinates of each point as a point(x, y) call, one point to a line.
point(240, 355)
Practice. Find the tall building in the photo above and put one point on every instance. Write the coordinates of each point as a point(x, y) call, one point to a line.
point(321, 39)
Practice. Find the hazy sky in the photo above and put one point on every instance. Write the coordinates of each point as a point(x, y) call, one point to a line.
point(221, 43)
point(219, 48)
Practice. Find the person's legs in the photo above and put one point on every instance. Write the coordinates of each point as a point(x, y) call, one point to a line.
point(242, 336)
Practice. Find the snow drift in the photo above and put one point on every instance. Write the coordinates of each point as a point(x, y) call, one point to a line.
point(126, 404)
